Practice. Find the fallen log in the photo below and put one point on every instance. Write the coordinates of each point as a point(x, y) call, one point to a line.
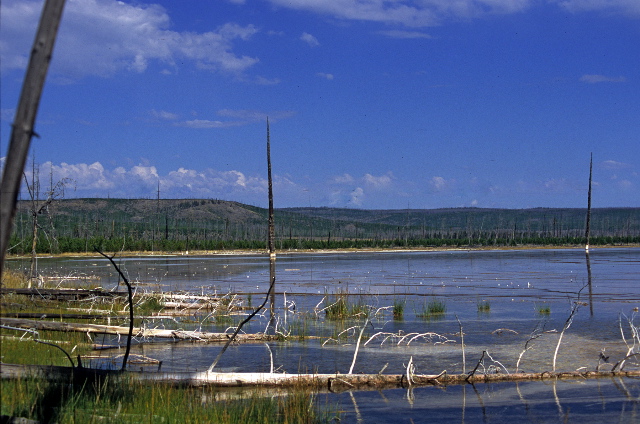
point(65, 316)
point(61, 293)
point(332, 382)
point(137, 332)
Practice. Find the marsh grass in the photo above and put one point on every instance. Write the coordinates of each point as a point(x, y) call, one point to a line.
point(118, 399)
point(341, 306)
point(149, 305)
point(484, 306)
point(18, 347)
point(433, 309)
point(14, 280)
point(398, 308)
point(543, 309)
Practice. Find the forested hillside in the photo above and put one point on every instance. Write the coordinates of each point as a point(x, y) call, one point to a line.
point(78, 225)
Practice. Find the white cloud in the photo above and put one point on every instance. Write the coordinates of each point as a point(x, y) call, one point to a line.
point(164, 115)
point(410, 13)
point(438, 183)
point(94, 180)
point(423, 13)
point(612, 164)
point(309, 39)
point(594, 78)
point(343, 179)
point(357, 197)
point(625, 185)
point(625, 7)
point(325, 76)
point(383, 181)
point(207, 124)
point(102, 37)
point(404, 34)
point(239, 117)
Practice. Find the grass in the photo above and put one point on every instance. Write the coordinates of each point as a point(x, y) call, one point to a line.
point(341, 307)
point(120, 400)
point(18, 347)
point(543, 309)
point(149, 305)
point(435, 308)
point(484, 306)
point(14, 280)
point(398, 308)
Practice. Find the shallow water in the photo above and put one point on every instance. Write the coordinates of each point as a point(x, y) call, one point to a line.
point(516, 283)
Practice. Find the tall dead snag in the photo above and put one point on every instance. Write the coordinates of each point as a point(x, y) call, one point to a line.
point(130, 292)
point(23, 126)
point(272, 263)
point(272, 232)
point(587, 231)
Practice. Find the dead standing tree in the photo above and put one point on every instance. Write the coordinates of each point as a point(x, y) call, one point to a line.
point(272, 264)
point(39, 202)
point(23, 126)
point(587, 232)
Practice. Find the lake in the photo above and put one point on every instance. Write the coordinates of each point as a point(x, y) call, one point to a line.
point(503, 300)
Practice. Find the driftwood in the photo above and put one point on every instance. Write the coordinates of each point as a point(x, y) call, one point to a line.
point(62, 293)
point(333, 382)
point(36, 315)
point(137, 332)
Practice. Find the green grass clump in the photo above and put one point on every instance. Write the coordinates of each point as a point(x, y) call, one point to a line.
point(435, 308)
point(484, 306)
point(149, 305)
point(342, 307)
point(543, 309)
point(120, 400)
point(398, 308)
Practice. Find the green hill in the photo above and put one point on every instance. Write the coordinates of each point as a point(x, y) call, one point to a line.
point(73, 225)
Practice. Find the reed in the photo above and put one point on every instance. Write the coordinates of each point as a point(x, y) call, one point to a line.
point(118, 399)
point(342, 307)
point(398, 308)
point(433, 309)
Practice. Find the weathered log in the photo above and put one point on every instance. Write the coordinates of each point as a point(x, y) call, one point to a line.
point(62, 293)
point(319, 381)
point(137, 332)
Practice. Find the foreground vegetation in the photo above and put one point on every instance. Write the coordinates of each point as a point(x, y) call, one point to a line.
point(116, 400)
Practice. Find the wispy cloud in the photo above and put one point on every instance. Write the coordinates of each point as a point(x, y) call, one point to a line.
point(612, 164)
point(325, 76)
point(238, 117)
point(103, 37)
point(412, 13)
point(404, 34)
point(624, 7)
point(595, 78)
point(309, 39)
point(164, 115)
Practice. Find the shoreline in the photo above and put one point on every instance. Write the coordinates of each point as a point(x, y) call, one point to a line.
point(239, 252)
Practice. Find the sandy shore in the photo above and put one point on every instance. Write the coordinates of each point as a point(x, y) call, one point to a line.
point(325, 251)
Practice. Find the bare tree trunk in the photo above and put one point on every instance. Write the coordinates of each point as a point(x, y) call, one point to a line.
point(588, 226)
point(272, 231)
point(23, 127)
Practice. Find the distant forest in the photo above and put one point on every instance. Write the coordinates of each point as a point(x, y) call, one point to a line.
point(167, 225)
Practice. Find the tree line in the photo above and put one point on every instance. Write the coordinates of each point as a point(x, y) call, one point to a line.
point(81, 225)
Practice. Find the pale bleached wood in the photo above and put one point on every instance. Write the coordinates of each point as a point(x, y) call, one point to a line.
point(137, 332)
point(318, 381)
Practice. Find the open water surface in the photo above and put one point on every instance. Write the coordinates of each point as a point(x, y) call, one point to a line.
point(604, 287)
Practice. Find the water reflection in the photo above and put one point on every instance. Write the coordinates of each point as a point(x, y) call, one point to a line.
point(588, 260)
point(556, 401)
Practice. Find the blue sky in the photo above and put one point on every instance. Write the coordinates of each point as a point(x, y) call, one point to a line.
point(372, 103)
